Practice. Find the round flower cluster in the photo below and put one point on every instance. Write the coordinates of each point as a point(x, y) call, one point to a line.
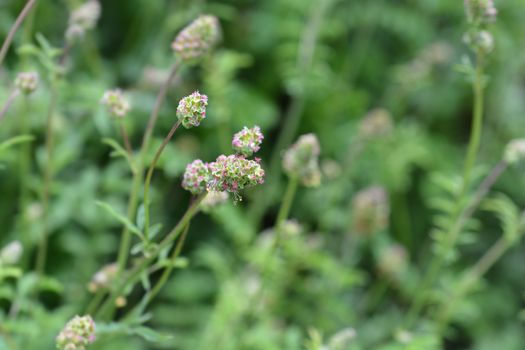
point(515, 151)
point(370, 210)
point(11, 253)
point(82, 19)
point(116, 103)
point(77, 334)
point(377, 123)
point(233, 173)
point(482, 40)
point(482, 11)
point(247, 141)
point(392, 261)
point(301, 160)
point(192, 109)
point(27, 82)
point(197, 39)
point(196, 177)
point(103, 278)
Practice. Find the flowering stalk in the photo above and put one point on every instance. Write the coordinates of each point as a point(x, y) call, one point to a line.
point(125, 243)
point(147, 183)
point(7, 42)
point(125, 137)
point(24, 173)
point(286, 204)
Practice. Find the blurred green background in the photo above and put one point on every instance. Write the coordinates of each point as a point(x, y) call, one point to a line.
point(299, 66)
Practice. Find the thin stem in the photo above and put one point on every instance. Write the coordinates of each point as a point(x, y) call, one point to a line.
point(7, 42)
point(8, 103)
point(125, 137)
point(48, 179)
point(24, 174)
point(134, 275)
point(461, 218)
point(95, 302)
point(149, 176)
point(125, 243)
point(286, 204)
point(477, 122)
point(488, 260)
point(167, 271)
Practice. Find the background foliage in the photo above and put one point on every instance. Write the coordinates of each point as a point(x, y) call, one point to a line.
point(323, 64)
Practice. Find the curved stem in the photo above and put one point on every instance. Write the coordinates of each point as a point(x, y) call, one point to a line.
point(48, 179)
point(7, 42)
point(149, 176)
point(477, 122)
point(8, 103)
point(24, 174)
point(134, 275)
point(125, 243)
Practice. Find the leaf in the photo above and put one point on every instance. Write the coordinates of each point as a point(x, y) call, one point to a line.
point(508, 214)
point(9, 272)
point(120, 218)
point(140, 217)
point(15, 141)
point(119, 151)
point(150, 335)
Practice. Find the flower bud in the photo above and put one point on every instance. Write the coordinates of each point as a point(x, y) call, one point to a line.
point(103, 278)
point(11, 253)
point(75, 33)
point(343, 339)
point(392, 260)
point(192, 109)
point(370, 210)
point(301, 160)
point(213, 199)
point(515, 151)
point(27, 82)
point(233, 173)
point(115, 102)
point(78, 333)
point(377, 123)
point(197, 39)
point(196, 177)
point(290, 228)
point(86, 16)
point(480, 40)
point(247, 141)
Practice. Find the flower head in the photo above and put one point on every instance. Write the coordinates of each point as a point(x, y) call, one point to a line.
point(116, 103)
point(192, 109)
point(392, 261)
point(301, 160)
point(515, 151)
point(77, 334)
point(233, 173)
point(197, 39)
point(247, 141)
point(196, 177)
point(481, 11)
point(27, 82)
point(11, 253)
point(370, 210)
point(103, 278)
point(482, 41)
point(86, 15)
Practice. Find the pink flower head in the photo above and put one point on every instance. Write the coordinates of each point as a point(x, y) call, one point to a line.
point(233, 173)
point(247, 141)
point(77, 333)
point(197, 39)
point(196, 177)
point(192, 109)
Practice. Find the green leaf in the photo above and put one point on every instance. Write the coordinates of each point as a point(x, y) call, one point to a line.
point(119, 151)
point(120, 218)
point(15, 141)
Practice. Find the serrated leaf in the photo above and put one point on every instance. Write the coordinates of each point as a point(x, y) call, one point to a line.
point(120, 218)
point(15, 141)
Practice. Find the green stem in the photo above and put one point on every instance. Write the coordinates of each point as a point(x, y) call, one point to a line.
point(134, 275)
point(125, 243)
point(10, 99)
point(477, 122)
point(95, 302)
point(167, 271)
point(286, 204)
point(125, 137)
point(149, 176)
point(48, 179)
point(9, 38)
point(24, 174)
